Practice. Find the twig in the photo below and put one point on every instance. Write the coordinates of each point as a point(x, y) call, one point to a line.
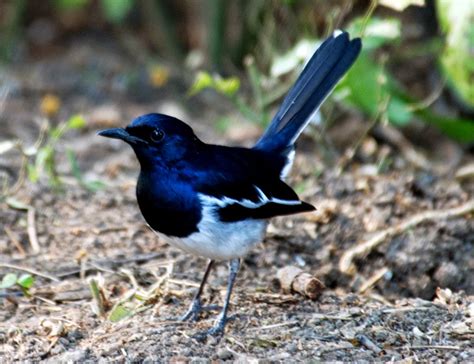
point(294, 279)
point(346, 264)
point(29, 270)
point(289, 323)
point(430, 99)
point(409, 309)
point(32, 230)
point(369, 283)
point(183, 282)
point(368, 15)
point(102, 265)
point(322, 316)
point(393, 136)
point(14, 240)
point(26, 153)
point(21, 177)
point(369, 344)
point(435, 347)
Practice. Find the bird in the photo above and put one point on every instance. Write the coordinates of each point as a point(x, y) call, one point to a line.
point(215, 201)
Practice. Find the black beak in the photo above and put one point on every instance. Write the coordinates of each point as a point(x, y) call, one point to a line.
point(122, 134)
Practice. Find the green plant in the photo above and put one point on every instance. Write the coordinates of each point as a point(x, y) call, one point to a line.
point(265, 91)
point(24, 282)
point(44, 151)
point(40, 160)
point(227, 87)
point(114, 10)
point(369, 83)
point(456, 19)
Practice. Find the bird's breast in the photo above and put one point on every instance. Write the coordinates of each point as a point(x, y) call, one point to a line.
point(169, 207)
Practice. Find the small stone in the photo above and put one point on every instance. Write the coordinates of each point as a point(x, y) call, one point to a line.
point(448, 275)
point(151, 359)
point(224, 354)
point(178, 360)
point(73, 356)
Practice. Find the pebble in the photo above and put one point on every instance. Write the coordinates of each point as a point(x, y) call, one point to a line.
point(73, 356)
point(224, 354)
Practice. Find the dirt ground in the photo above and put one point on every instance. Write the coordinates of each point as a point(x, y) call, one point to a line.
point(408, 295)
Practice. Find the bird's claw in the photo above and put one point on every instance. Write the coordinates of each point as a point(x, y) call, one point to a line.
point(216, 331)
point(192, 314)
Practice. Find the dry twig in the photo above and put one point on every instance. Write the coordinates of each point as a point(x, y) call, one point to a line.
point(369, 283)
point(294, 279)
point(346, 264)
point(33, 237)
point(14, 240)
point(29, 270)
point(369, 344)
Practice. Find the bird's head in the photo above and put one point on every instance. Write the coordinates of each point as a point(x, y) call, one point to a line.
point(156, 138)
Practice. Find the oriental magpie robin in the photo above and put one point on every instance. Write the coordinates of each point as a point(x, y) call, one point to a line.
point(215, 201)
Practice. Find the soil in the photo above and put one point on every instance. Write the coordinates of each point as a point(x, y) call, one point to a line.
point(408, 298)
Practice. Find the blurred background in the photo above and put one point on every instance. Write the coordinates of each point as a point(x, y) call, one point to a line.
point(388, 162)
point(415, 73)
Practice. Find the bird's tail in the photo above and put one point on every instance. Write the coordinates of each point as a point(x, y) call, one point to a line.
point(325, 68)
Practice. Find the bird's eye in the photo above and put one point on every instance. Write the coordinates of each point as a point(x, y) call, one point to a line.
point(157, 135)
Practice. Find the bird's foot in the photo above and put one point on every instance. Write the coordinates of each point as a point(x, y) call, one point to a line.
point(217, 331)
point(192, 314)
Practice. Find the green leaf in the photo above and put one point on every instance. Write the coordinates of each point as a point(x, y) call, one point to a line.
point(70, 4)
point(76, 122)
point(26, 281)
point(202, 81)
point(98, 304)
point(456, 20)
point(33, 174)
point(92, 186)
point(74, 165)
point(459, 129)
point(399, 111)
point(95, 185)
point(119, 313)
point(16, 204)
point(227, 86)
point(361, 86)
point(57, 132)
point(9, 280)
point(378, 32)
point(116, 10)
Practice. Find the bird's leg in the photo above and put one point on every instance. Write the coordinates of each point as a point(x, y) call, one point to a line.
point(196, 307)
point(221, 321)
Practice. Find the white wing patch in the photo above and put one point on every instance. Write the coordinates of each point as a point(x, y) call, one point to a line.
point(263, 200)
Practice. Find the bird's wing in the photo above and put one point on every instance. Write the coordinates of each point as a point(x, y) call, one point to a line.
point(236, 200)
point(240, 183)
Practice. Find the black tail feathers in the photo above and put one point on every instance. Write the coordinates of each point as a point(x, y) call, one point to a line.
point(325, 68)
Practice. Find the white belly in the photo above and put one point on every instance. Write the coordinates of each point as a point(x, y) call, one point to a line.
point(221, 240)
